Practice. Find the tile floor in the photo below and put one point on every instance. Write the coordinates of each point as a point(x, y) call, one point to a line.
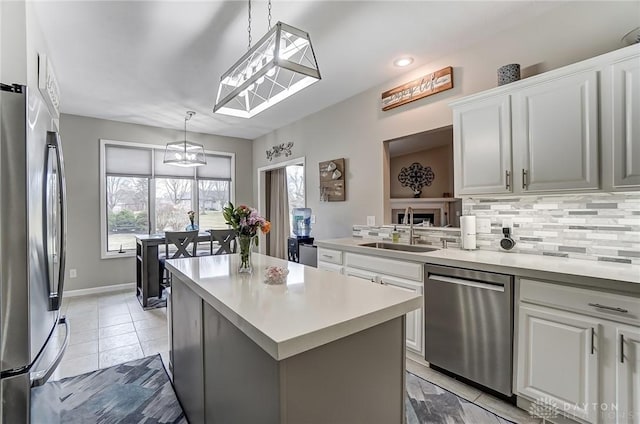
point(112, 328)
point(109, 329)
point(419, 367)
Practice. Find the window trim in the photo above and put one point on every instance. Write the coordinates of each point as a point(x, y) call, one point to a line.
point(104, 252)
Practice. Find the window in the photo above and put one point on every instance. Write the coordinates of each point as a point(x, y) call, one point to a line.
point(212, 196)
point(140, 195)
point(173, 201)
point(295, 189)
point(127, 211)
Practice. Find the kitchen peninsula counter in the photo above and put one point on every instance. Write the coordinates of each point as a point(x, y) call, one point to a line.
point(320, 348)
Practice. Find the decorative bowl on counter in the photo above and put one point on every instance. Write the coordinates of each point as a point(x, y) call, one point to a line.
point(276, 275)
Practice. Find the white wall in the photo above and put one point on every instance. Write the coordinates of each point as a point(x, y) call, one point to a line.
point(355, 128)
point(13, 45)
point(80, 141)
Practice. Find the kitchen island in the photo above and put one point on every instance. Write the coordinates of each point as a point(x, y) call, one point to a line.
point(322, 348)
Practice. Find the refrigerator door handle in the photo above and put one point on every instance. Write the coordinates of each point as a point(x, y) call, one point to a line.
point(53, 142)
point(41, 377)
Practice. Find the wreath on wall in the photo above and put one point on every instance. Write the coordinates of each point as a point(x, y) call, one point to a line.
point(415, 177)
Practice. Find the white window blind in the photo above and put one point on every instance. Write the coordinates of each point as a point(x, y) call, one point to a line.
point(162, 169)
point(132, 161)
point(217, 168)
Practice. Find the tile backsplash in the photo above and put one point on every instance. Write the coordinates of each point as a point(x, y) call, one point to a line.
point(598, 227)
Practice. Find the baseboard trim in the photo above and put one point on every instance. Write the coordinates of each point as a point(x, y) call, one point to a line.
point(99, 290)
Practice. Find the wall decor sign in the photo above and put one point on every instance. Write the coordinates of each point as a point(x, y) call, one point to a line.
point(415, 177)
point(417, 89)
point(332, 181)
point(279, 150)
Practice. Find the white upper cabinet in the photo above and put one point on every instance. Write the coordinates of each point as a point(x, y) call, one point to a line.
point(555, 129)
point(482, 151)
point(622, 110)
point(575, 128)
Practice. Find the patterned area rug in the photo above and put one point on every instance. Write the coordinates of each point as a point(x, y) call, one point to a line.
point(140, 392)
point(427, 403)
point(135, 392)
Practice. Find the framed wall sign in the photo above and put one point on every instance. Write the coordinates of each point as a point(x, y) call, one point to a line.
point(332, 180)
point(417, 89)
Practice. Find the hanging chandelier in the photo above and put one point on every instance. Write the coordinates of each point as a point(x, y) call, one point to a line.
point(276, 67)
point(185, 153)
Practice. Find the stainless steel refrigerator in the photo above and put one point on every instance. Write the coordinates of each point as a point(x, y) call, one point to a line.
point(33, 335)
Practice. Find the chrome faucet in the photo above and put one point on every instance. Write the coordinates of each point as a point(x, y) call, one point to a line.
point(408, 216)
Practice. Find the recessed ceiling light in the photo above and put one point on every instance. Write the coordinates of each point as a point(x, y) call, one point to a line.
point(403, 61)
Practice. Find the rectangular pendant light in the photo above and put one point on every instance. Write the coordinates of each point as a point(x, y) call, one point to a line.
point(279, 65)
point(185, 153)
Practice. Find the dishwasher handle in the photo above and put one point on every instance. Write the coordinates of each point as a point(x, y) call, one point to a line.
point(469, 283)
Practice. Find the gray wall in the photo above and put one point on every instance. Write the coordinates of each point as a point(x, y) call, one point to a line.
point(355, 128)
point(80, 138)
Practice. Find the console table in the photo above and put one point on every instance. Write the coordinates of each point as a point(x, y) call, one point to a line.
point(148, 265)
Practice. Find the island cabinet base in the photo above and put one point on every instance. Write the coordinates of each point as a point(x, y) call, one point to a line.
point(356, 379)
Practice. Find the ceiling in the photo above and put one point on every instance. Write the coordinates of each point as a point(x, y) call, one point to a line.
point(147, 62)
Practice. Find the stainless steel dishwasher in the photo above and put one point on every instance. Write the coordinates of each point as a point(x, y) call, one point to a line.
point(469, 325)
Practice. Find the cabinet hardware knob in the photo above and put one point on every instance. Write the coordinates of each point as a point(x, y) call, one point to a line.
point(507, 175)
point(609, 308)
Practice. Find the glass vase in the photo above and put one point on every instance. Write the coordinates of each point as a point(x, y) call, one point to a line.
point(245, 243)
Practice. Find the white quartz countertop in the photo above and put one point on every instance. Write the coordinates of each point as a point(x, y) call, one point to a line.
point(512, 263)
point(313, 308)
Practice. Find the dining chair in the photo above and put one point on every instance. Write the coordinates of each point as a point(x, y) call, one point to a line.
point(177, 244)
point(226, 240)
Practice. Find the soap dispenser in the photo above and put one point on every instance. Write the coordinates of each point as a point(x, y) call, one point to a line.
point(395, 235)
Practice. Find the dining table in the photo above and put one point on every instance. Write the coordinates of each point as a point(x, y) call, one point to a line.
point(148, 267)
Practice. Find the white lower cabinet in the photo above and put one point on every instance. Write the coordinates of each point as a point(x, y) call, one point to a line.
point(415, 318)
point(558, 360)
point(399, 274)
point(627, 375)
point(330, 260)
point(327, 266)
point(579, 352)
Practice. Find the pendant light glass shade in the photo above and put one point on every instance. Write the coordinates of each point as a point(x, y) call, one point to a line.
point(279, 65)
point(185, 153)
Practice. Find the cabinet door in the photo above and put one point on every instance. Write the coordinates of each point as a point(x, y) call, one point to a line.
point(628, 375)
point(414, 326)
point(626, 123)
point(482, 147)
point(555, 132)
point(558, 360)
point(359, 273)
point(188, 368)
point(330, 267)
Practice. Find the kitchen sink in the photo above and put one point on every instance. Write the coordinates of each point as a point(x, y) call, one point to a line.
point(401, 247)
